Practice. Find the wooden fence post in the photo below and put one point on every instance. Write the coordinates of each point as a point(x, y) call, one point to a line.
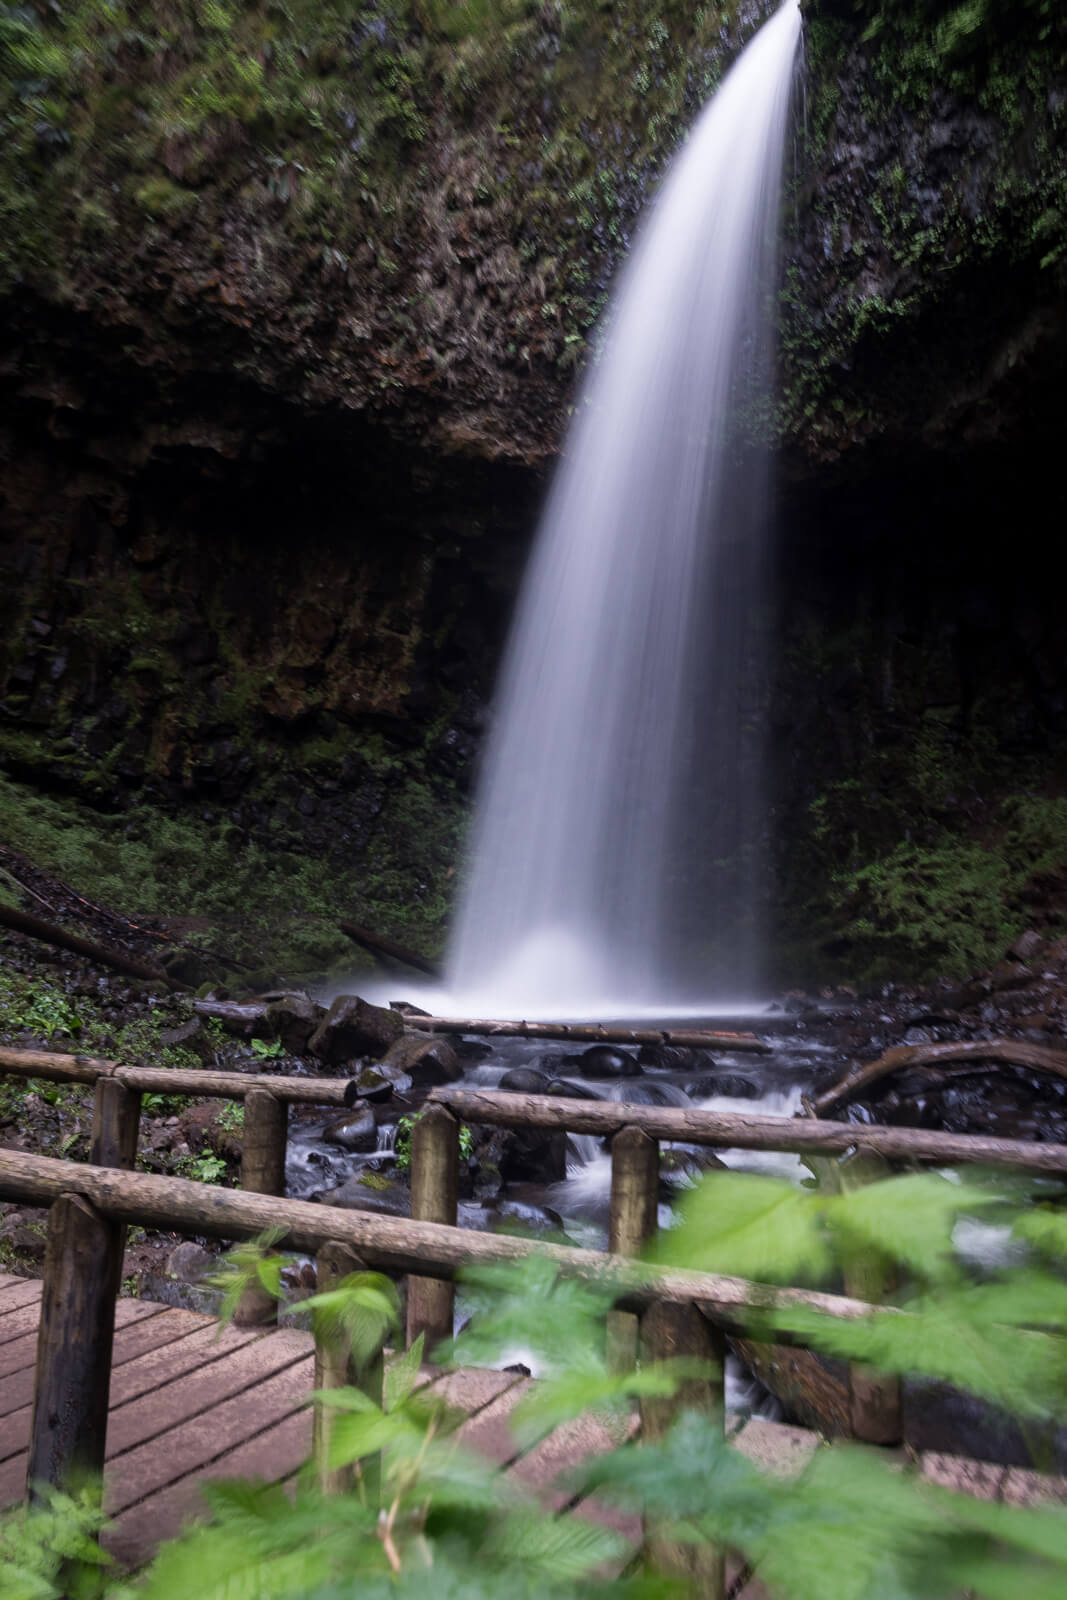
point(434, 1198)
point(116, 1122)
point(82, 1265)
point(634, 1210)
point(670, 1330)
point(262, 1172)
point(336, 1368)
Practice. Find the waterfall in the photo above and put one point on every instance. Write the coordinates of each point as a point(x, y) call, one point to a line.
point(614, 818)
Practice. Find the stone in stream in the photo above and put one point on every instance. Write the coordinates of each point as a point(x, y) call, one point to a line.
point(674, 1058)
point(353, 1027)
point(427, 1061)
point(371, 1192)
point(525, 1080)
point(568, 1089)
point(604, 1061)
point(356, 1132)
point(377, 1084)
point(731, 1085)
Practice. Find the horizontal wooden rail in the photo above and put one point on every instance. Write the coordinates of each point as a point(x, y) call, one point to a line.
point(740, 1131)
point(202, 1082)
point(588, 1033)
point(390, 1244)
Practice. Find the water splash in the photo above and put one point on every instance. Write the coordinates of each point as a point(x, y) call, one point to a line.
point(621, 777)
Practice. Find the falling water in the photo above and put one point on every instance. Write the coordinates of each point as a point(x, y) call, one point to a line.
point(618, 763)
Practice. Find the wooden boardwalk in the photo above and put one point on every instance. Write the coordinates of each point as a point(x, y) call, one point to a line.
point(188, 1403)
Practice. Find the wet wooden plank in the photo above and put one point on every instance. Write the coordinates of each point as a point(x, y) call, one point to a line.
point(202, 1439)
point(273, 1455)
point(1020, 1487)
point(19, 1321)
point(982, 1479)
point(167, 1392)
point(776, 1446)
point(241, 1371)
point(471, 1388)
point(568, 1446)
point(19, 1292)
point(191, 1347)
point(18, 1354)
point(489, 1430)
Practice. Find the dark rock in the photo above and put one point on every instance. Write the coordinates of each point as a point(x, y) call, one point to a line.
point(524, 1080)
point(568, 1089)
point(370, 1192)
point(674, 1058)
point(534, 1155)
point(189, 1261)
point(376, 1086)
point(471, 1049)
point(1027, 946)
point(734, 1086)
point(353, 1027)
point(604, 1061)
point(188, 967)
point(356, 1132)
point(406, 1009)
point(191, 1036)
point(427, 1061)
point(1008, 975)
point(293, 1019)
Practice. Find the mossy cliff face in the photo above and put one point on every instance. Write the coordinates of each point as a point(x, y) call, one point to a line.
point(295, 297)
point(923, 309)
point(409, 209)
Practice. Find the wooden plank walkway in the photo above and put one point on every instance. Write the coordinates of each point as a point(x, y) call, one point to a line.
point(189, 1403)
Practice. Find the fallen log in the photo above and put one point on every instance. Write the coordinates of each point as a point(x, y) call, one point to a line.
point(48, 933)
point(589, 1033)
point(1010, 1052)
point(378, 945)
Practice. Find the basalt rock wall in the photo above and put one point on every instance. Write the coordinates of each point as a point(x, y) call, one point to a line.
point(295, 300)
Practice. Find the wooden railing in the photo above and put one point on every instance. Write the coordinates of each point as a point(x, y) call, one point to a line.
point(669, 1311)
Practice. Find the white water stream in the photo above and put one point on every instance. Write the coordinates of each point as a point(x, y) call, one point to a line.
point(622, 760)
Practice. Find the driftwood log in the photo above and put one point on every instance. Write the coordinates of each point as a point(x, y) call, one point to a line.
point(588, 1033)
point(1010, 1052)
point(48, 933)
point(379, 945)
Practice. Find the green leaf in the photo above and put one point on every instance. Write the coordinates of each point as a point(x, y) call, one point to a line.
point(750, 1226)
point(361, 1311)
point(909, 1218)
point(556, 1400)
point(1045, 1230)
point(402, 1374)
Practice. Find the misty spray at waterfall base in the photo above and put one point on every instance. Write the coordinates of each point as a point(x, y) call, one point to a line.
point(615, 858)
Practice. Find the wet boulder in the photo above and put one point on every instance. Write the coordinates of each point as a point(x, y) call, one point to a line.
point(570, 1089)
point(353, 1027)
point(370, 1191)
point(293, 1019)
point(673, 1058)
point(525, 1080)
point(604, 1061)
point(734, 1086)
point(358, 1131)
point(376, 1085)
point(426, 1060)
